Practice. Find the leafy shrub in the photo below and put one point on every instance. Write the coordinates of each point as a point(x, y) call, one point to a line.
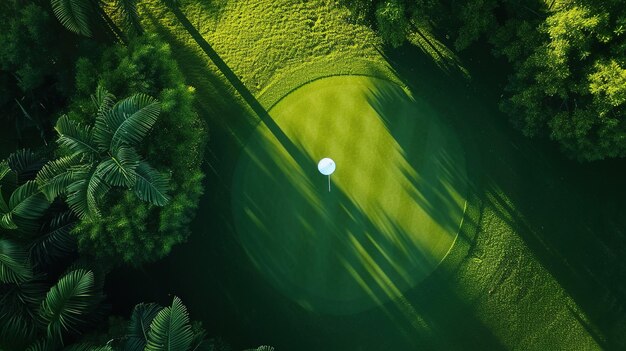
point(37, 59)
point(569, 78)
point(43, 311)
point(392, 23)
point(130, 230)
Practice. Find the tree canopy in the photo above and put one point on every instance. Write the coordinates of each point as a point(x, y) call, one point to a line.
point(568, 59)
point(569, 78)
point(129, 229)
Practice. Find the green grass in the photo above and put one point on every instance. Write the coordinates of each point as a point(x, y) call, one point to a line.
point(533, 267)
point(395, 209)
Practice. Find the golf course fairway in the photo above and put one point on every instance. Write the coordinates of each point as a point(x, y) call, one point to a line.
point(395, 207)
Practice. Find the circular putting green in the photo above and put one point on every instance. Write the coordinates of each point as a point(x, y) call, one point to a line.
point(396, 199)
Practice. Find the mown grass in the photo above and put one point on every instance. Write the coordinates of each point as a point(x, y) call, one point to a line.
point(536, 276)
point(392, 216)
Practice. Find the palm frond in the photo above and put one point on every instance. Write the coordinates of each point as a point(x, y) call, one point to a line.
point(139, 326)
point(54, 178)
point(119, 170)
point(151, 185)
point(28, 202)
point(68, 302)
point(16, 331)
point(54, 240)
point(8, 178)
point(128, 8)
point(4, 169)
point(4, 208)
point(19, 304)
point(131, 119)
point(7, 221)
point(76, 137)
point(14, 266)
point(170, 329)
point(102, 132)
point(25, 163)
point(83, 195)
point(22, 298)
point(103, 99)
point(73, 15)
point(134, 344)
point(200, 341)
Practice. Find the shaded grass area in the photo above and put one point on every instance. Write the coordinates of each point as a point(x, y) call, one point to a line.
point(393, 214)
point(537, 276)
point(534, 272)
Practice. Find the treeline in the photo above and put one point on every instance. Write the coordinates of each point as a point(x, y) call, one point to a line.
point(568, 60)
point(112, 175)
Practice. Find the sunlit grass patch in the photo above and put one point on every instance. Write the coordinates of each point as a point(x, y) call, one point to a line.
point(394, 210)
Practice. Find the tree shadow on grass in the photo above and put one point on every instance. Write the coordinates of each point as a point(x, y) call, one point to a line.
point(570, 231)
point(427, 316)
point(435, 162)
point(224, 284)
point(571, 216)
point(241, 89)
point(212, 274)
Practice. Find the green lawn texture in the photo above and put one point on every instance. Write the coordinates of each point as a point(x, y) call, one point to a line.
point(533, 264)
point(395, 209)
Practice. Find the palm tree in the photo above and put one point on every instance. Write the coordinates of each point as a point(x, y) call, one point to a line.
point(154, 328)
point(105, 156)
point(25, 202)
point(79, 16)
point(28, 312)
point(27, 215)
point(29, 307)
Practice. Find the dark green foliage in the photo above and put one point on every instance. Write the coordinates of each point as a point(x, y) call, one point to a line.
point(53, 241)
point(21, 202)
point(68, 302)
point(27, 215)
point(19, 312)
point(74, 15)
point(26, 202)
point(139, 326)
point(87, 17)
point(568, 60)
point(392, 22)
point(25, 164)
point(27, 28)
point(87, 347)
point(131, 230)
point(389, 17)
point(151, 328)
point(42, 345)
point(128, 9)
point(14, 267)
point(96, 159)
point(475, 17)
point(170, 329)
point(29, 315)
point(33, 237)
point(36, 64)
point(569, 77)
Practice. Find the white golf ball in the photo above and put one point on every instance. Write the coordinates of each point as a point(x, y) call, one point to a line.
point(326, 166)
